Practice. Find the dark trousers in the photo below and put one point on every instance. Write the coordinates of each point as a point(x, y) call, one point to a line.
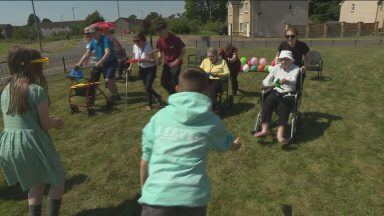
point(274, 101)
point(149, 210)
point(170, 78)
point(148, 76)
point(235, 84)
point(234, 68)
point(215, 88)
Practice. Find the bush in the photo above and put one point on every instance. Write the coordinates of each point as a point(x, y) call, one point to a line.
point(183, 26)
point(215, 27)
point(26, 32)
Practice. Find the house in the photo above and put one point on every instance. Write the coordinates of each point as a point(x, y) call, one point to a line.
point(54, 28)
point(366, 11)
point(6, 30)
point(265, 18)
point(127, 25)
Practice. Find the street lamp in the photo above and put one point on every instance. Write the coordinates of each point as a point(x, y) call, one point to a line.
point(118, 12)
point(73, 15)
point(36, 26)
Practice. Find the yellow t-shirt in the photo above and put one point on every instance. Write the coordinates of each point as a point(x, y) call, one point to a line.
point(219, 69)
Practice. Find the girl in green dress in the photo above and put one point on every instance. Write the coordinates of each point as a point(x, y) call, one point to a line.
point(27, 153)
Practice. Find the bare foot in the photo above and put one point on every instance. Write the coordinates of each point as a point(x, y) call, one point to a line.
point(282, 140)
point(261, 134)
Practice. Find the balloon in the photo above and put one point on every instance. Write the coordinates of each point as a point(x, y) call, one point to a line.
point(253, 61)
point(253, 68)
point(266, 68)
point(241, 69)
point(270, 68)
point(263, 61)
point(249, 62)
point(260, 68)
point(245, 68)
point(273, 63)
point(243, 60)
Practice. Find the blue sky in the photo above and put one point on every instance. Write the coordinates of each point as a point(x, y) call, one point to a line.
point(16, 12)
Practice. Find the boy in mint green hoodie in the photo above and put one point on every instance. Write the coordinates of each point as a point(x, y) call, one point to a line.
point(175, 146)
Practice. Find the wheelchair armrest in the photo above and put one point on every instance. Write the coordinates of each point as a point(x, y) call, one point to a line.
point(267, 90)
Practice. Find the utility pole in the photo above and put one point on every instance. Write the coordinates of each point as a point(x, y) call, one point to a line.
point(73, 15)
point(36, 26)
point(118, 12)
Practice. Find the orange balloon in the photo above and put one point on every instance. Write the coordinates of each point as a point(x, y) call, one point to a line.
point(260, 68)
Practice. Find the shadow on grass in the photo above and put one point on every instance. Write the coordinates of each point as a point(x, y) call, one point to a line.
point(243, 93)
point(238, 108)
point(14, 192)
point(313, 125)
point(323, 78)
point(287, 210)
point(130, 207)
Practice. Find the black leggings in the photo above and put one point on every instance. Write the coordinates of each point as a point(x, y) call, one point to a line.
point(235, 84)
point(283, 104)
point(148, 76)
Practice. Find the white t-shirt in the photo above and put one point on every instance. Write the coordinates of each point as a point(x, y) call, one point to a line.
point(291, 75)
point(143, 54)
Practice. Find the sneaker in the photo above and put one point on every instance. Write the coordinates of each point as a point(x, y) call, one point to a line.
point(131, 79)
point(115, 98)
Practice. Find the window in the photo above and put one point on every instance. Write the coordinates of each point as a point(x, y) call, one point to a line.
point(353, 8)
point(290, 7)
point(241, 27)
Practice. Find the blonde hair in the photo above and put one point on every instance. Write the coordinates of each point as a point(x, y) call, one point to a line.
point(23, 73)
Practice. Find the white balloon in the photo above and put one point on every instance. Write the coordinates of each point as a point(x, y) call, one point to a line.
point(245, 68)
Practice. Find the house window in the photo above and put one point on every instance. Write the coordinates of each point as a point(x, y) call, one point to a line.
point(353, 8)
point(290, 7)
point(241, 27)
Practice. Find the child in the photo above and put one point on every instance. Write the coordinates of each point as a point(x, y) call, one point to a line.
point(27, 154)
point(175, 146)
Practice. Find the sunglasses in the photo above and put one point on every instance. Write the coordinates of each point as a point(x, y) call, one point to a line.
point(290, 36)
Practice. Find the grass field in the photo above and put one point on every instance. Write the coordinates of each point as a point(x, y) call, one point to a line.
point(335, 168)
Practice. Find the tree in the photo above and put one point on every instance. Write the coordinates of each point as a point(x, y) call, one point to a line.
point(323, 11)
point(204, 11)
point(46, 20)
point(94, 18)
point(132, 17)
point(1, 34)
point(31, 20)
point(153, 16)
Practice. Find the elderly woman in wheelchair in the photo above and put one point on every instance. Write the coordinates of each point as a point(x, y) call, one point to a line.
point(282, 81)
point(218, 72)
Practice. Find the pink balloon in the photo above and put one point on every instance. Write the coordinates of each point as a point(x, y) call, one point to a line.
point(249, 62)
point(253, 61)
point(273, 63)
point(263, 61)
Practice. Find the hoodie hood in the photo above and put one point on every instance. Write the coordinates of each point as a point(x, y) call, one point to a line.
point(190, 107)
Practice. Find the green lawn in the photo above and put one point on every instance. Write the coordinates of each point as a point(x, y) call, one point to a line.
point(335, 168)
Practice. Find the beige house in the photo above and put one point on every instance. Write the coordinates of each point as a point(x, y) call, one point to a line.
point(366, 11)
point(265, 18)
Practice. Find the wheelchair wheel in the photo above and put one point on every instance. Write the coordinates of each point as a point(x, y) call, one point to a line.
point(91, 112)
point(230, 101)
point(74, 109)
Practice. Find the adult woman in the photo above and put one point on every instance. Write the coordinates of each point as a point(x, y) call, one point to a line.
point(147, 66)
point(286, 74)
point(298, 48)
point(217, 68)
point(229, 54)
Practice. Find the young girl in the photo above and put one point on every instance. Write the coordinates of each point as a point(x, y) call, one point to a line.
point(229, 54)
point(147, 67)
point(27, 153)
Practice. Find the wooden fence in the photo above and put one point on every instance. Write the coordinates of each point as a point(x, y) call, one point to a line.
point(336, 29)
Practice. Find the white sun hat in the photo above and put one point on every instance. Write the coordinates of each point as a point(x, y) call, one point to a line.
point(286, 54)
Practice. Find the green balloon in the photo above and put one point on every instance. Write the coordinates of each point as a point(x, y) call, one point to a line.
point(266, 68)
point(253, 68)
point(243, 60)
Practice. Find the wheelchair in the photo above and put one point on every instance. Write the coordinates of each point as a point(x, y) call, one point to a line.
point(295, 114)
point(224, 98)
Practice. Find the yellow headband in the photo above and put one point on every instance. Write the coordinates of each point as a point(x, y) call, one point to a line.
point(40, 60)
